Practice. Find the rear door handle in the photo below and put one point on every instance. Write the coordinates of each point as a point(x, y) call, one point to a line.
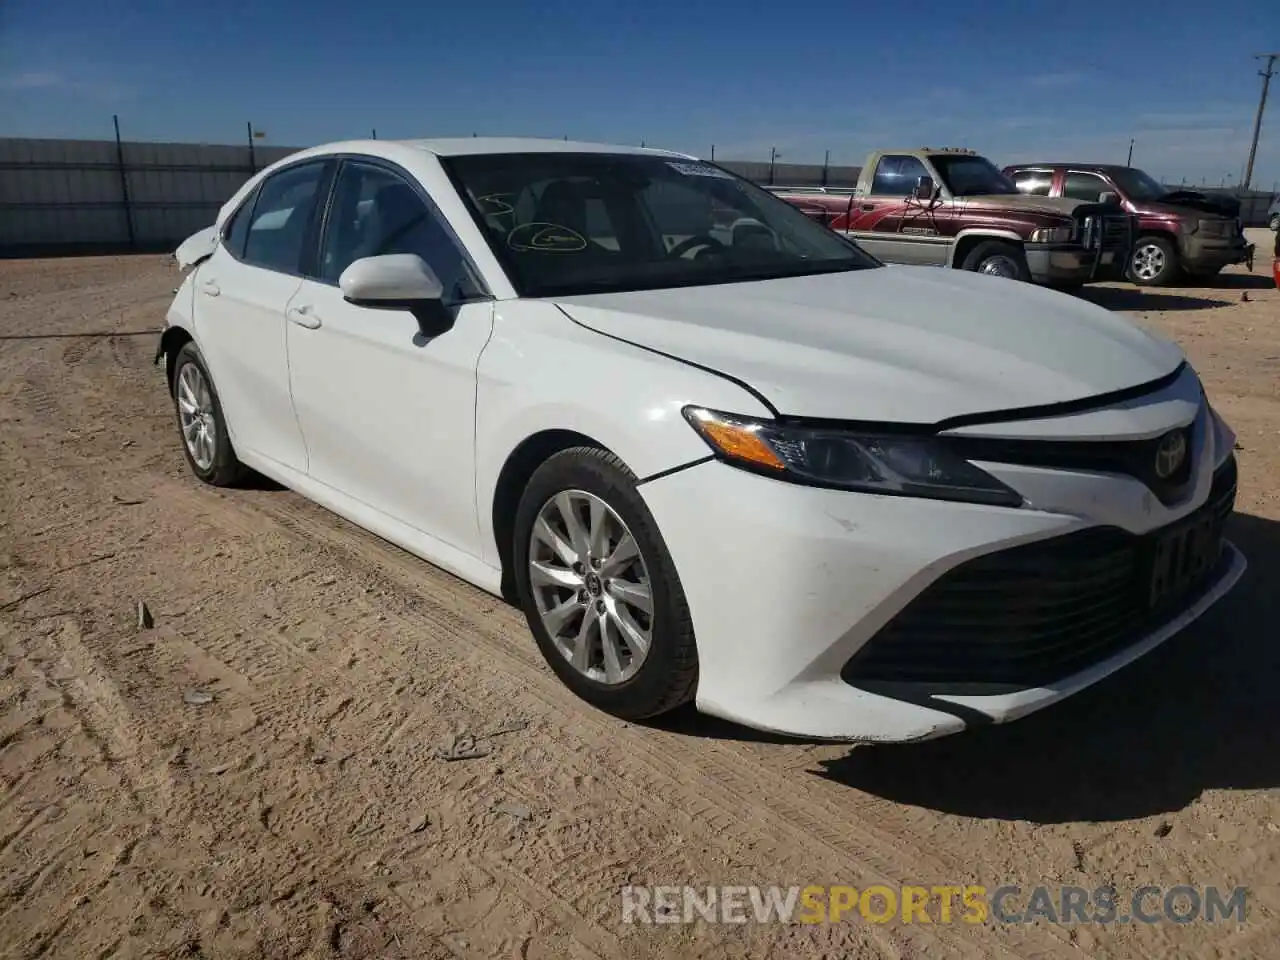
point(866, 207)
point(211, 288)
point(303, 317)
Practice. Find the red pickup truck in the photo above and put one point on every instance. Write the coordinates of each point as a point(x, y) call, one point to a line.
point(1179, 231)
point(954, 208)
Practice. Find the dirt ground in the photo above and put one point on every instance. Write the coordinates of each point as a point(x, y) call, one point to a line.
point(258, 774)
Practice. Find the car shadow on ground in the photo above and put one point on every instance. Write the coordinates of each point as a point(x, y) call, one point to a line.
point(1137, 298)
point(1200, 712)
point(1234, 281)
point(253, 480)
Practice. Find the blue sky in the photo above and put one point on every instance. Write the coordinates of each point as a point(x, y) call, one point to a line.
point(1015, 79)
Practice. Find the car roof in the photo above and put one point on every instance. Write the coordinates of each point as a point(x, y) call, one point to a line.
point(1076, 165)
point(466, 146)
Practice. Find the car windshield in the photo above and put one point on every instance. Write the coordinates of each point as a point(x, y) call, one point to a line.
point(1138, 184)
point(969, 176)
point(572, 223)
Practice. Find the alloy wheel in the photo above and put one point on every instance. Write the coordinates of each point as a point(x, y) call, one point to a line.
point(591, 586)
point(196, 414)
point(1148, 261)
point(999, 266)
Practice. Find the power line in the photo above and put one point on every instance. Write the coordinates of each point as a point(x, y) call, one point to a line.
point(1262, 105)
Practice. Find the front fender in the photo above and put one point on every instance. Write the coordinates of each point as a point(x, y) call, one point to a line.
point(541, 371)
point(990, 233)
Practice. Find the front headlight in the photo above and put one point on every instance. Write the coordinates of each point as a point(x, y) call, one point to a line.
point(1212, 228)
point(1052, 235)
point(902, 465)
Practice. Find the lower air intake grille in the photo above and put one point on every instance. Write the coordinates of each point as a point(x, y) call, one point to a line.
point(1038, 613)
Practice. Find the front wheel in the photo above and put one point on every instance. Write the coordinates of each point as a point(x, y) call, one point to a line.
point(997, 258)
point(599, 589)
point(1153, 263)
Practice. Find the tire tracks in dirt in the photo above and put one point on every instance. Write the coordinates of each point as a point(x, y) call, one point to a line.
point(720, 794)
point(715, 789)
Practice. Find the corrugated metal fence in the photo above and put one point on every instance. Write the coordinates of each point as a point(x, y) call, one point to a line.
point(91, 196)
point(97, 195)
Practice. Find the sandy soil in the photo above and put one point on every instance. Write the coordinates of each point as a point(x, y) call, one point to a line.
point(304, 810)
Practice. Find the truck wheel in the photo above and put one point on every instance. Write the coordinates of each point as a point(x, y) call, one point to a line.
point(997, 259)
point(1153, 263)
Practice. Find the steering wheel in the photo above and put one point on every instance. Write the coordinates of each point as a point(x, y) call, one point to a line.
point(697, 240)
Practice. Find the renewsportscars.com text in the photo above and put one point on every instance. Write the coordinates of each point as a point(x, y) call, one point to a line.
point(943, 903)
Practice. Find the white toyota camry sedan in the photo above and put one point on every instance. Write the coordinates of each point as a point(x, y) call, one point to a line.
point(716, 452)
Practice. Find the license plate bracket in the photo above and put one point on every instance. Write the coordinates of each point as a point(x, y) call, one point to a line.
point(1181, 557)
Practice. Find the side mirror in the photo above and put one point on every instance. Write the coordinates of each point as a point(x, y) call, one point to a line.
point(924, 189)
point(398, 281)
point(1110, 198)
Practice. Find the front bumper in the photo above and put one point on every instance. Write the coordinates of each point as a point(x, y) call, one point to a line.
point(1070, 264)
point(1212, 253)
point(786, 584)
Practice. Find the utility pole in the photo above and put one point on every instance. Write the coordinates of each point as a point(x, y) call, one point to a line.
point(773, 159)
point(1262, 105)
point(1129, 162)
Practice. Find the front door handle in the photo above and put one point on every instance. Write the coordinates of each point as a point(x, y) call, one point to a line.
point(211, 288)
point(303, 317)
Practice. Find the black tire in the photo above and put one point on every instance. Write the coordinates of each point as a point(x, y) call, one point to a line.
point(998, 255)
point(1148, 248)
point(226, 470)
point(668, 676)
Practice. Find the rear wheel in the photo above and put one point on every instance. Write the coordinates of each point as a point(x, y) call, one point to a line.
point(205, 440)
point(1153, 263)
point(599, 589)
point(996, 258)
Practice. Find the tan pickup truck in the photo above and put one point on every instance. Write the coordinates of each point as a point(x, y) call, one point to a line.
point(954, 208)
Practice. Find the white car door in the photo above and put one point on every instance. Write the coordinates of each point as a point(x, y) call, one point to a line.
point(242, 291)
point(388, 415)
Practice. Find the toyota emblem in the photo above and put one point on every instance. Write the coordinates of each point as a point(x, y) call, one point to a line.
point(1170, 454)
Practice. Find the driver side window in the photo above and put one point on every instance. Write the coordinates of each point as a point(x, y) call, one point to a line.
point(896, 176)
point(375, 212)
point(1084, 186)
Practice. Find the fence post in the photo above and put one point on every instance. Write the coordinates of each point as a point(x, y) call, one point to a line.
point(124, 184)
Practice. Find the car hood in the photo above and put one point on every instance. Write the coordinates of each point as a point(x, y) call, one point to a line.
point(892, 344)
point(1222, 206)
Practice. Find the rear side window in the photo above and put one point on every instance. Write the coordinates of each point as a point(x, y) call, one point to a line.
point(281, 218)
point(1084, 186)
point(896, 176)
point(237, 229)
point(1034, 183)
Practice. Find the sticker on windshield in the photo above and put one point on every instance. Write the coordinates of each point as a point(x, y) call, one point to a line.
point(545, 238)
point(699, 170)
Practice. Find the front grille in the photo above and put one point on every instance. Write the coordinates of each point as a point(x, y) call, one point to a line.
point(1105, 232)
point(1131, 458)
point(1037, 613)
point(1116, 234)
